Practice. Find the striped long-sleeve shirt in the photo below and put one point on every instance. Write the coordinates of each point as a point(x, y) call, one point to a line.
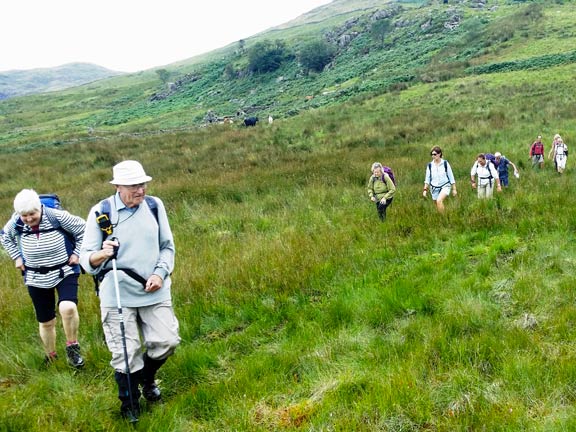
point(45, 247)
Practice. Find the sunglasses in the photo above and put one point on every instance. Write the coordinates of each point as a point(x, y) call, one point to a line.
point(434, 154)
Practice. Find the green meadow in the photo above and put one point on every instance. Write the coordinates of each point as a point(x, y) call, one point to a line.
point(299, 310)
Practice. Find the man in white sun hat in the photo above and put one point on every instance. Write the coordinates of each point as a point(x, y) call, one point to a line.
point(131, 230)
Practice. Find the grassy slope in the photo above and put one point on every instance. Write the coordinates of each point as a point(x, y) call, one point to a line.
point(364, 67)
point(298, 310)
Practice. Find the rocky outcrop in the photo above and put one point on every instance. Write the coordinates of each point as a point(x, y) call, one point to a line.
point(173, 87)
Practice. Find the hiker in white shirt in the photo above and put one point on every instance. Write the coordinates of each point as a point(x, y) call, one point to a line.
point(487, 176)
point(559, 153)
point(439, 179)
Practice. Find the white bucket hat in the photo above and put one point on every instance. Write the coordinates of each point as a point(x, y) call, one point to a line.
point(128, 173)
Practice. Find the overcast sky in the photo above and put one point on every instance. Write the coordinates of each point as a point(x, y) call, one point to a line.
point(131, 35)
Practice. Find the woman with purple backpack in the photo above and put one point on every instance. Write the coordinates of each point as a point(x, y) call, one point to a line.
point(381, 189)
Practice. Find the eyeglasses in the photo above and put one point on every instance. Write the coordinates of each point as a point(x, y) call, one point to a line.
point(134, 188)
point(434, 154)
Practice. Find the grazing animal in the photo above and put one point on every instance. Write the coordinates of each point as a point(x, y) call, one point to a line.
point(250, 121)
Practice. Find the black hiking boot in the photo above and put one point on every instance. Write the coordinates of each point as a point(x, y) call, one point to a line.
point(150, 389)
point(130, 413)
point(151, 392)
point(129, 395)
point(74, 357)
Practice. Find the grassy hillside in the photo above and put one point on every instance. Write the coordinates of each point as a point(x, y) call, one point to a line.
point(432, 43)
point(299, 310)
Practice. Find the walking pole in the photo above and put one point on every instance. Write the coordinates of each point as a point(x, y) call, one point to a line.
point(133, 418)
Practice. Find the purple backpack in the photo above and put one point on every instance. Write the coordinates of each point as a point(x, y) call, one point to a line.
point(390, 173)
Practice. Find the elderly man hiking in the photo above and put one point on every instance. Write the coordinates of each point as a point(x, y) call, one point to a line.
point(502, 163)
point(128, 244)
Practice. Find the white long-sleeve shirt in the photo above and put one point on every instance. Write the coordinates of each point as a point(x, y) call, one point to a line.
point(486, 174)
point(439, 175)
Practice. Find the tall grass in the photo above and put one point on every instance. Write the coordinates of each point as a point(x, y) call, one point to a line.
point(299, 310)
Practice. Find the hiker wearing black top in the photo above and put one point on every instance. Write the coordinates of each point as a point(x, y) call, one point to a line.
point(487, 177)
point(49, 263)
point(537, 153)
point(381, 189)
point(439, 179)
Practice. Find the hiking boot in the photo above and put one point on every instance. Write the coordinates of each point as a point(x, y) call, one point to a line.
point(129, 413)
point(74, 357)
point(151, 392)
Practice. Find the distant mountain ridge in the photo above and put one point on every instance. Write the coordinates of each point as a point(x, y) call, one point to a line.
point(22, 82)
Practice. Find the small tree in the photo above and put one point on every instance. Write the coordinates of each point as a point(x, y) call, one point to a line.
point(266, 56)
point(316, 55)
point(230, 71)
point(380, 29)
point(164, 75)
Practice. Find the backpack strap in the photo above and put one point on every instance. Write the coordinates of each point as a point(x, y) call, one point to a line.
point(445, 163)
point(103, 216)
point(490, 176)
point(105, 224)
point(56, 226)
point(128, 271)
point(153, 206)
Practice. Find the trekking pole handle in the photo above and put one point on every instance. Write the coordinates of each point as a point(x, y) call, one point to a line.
point(115, 239)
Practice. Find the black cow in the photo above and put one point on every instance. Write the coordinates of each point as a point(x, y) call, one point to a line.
point(250, 121)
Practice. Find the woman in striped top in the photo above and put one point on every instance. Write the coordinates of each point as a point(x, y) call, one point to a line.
point(45, 245)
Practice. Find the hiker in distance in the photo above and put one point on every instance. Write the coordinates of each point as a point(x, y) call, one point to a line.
point(537, 153)
point(439, 179)
point(487, 177)
point(129, 245)
point(559, 153)
point(502, 164)
point(381, 189)
point(45, 245)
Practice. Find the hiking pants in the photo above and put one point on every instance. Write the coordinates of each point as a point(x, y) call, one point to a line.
point(156, 323)
point(486, 191)
point(537, 160)
point(381, 208)
point(560, 162)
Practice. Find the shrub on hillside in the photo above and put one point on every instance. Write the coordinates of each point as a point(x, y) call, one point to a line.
point(267, 56)
point(315, 55)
